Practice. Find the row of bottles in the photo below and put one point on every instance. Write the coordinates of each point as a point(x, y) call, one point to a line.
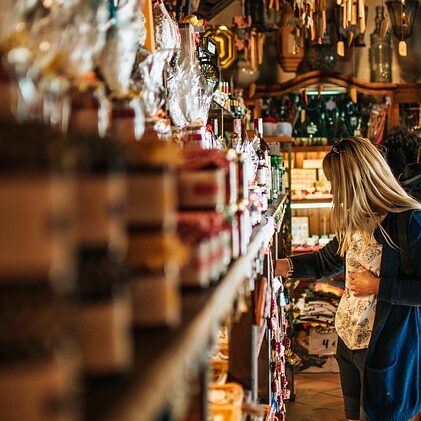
point(270, 169)
point(321, 118)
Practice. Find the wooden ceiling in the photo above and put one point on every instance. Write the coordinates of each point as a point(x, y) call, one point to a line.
point(210, 8)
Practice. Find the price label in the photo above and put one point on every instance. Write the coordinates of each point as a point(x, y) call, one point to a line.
point(403, 51)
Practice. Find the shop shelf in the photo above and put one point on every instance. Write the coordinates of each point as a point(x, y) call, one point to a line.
point(312, 148)
point(163, 356)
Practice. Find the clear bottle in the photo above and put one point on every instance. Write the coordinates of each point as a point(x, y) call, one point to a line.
point(380, 51)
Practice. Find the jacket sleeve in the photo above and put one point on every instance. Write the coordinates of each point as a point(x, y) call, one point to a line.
point(406, 291)
point(326, 262)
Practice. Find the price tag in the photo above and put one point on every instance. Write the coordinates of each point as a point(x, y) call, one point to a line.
point(276, 285)
point(403, 51)
point(340, 48)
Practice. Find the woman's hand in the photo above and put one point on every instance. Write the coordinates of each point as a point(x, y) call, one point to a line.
point(282, 267)
point(364, 283)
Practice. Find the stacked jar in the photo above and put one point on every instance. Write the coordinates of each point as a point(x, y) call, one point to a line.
point(102, 302)
point(38, 361)
point(154, 251)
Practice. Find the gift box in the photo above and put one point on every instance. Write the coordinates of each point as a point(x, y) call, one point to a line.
point(208, 179)
point(202, 189)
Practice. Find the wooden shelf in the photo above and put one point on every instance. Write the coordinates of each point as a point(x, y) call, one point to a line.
point(315, 148)
point(163, 356)
point(313, 200)
point(279, 139)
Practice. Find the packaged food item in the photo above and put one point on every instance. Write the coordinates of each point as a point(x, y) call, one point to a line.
point(36, 207)
point(102, 302)
point(225, 401)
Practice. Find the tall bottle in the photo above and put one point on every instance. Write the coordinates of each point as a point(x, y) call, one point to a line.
point(380, 51)
point(263, 152)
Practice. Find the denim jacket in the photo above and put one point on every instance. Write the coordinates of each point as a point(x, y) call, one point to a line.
point(392, 372)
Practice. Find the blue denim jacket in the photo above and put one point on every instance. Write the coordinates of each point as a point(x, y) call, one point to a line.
point(392, 373)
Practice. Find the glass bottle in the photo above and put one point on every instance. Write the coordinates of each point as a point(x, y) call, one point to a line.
point(380, 51)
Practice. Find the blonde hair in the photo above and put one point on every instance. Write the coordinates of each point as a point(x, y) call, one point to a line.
point(364, 189)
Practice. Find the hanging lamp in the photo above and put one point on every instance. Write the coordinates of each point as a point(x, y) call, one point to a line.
point(402, 14)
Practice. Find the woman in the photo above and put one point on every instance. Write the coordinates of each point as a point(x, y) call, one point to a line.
point(378, 320)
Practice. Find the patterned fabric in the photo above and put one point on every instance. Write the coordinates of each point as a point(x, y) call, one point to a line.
point(355, 315)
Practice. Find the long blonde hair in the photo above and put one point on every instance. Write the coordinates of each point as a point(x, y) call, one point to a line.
point(364, 189)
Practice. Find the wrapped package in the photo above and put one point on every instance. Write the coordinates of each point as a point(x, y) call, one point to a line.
point(189, 97)
point(167, 34)
point(125, 38)
point(147, 78)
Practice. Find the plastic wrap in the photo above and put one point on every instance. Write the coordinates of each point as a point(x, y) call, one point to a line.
point(125, 38)
point(167, 34)
point(148, 76)
point(61, 38)
point(48, 43)
point(252, 160)
point(190, 96)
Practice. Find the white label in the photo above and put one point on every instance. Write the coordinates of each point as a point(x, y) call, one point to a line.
point(202, 188)
point(322, 342)
point(340, 48)
point(36, 225)
point(403, 51)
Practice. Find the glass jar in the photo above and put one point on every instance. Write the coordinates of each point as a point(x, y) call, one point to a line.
point(36, 207)
point(102, 302)
point(127, 120)
point(380, 51)
point(90, 112)
point(39, 370)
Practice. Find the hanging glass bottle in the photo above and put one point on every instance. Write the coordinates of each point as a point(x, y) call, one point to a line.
point(380, 51)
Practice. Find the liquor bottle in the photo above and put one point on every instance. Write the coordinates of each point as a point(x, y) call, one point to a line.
point(262, 170)
point(264, 151)
point(236, 138)
point(380, 51)
point(275, 176)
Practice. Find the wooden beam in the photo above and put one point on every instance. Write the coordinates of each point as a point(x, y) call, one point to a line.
point(147, 9)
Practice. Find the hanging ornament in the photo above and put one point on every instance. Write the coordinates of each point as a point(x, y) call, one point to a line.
point(340, 48)
point(403, 50)
point(402, 14)
point(351, 18)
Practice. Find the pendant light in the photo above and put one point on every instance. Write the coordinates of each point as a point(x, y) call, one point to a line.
point(402, 14)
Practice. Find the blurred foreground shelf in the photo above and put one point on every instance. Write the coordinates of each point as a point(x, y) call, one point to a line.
point(164, 356)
